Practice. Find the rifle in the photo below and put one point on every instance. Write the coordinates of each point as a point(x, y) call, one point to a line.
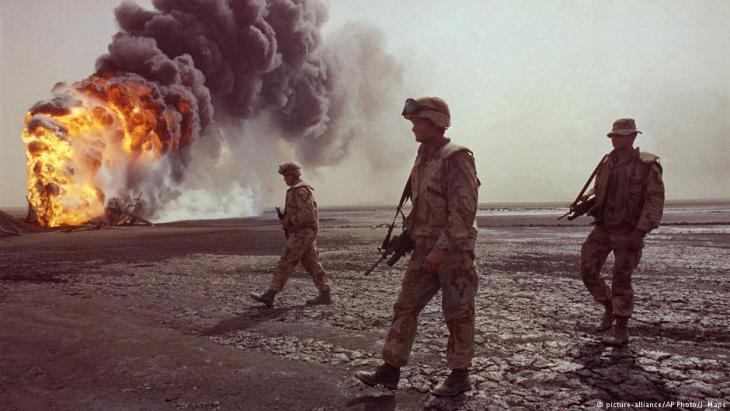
point(580, 207)
point(400, 244)
point(583, 203)
point(281, 217)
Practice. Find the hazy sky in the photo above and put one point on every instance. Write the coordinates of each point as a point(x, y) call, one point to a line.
point(533, 86)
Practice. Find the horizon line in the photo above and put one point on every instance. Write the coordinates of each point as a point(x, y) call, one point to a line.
point(480, 205)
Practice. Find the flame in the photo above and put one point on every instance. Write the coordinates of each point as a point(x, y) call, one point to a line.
point(79, 151)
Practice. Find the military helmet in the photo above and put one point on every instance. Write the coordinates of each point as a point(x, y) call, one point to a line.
point(434, 109)
point(623, 127)
point(290, 168)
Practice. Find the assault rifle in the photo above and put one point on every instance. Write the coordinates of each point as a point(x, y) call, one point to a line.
point(281, 217)
point(399, 245)
point(580, 206)
point(583, 203)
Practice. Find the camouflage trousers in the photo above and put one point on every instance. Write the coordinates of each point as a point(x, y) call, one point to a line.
point(627, 254)
point(457, 280)
point(301, 246)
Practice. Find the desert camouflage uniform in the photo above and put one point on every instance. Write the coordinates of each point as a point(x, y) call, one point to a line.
point(301, 222)
point(629, 194)
point(444, 190)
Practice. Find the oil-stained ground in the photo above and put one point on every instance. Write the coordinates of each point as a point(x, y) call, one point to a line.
point(159, 318)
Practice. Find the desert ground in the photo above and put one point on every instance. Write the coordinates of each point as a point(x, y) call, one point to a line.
point(160, 318)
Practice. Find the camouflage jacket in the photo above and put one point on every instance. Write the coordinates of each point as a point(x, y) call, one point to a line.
point(629, 192)
point(444, 192)
point(300, 211)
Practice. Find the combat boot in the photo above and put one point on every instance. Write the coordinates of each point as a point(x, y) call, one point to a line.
point(607, 319)
point(385, 375)
point(619, 333)
point(455, 384)
point(267, 298)
point(324, 298)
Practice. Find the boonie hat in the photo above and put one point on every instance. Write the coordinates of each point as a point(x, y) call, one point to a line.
point(623, 127)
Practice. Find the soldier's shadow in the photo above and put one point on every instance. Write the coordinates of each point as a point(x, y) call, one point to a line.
point(389, 401)
point(615, 371)
point(373, 402)
point(445, 403)
point(248, 318)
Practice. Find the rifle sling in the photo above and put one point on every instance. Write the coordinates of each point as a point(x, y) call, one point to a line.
point(403, 198)
point(593, 175)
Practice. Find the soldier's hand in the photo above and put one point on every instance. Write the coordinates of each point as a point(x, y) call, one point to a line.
point(434, 259)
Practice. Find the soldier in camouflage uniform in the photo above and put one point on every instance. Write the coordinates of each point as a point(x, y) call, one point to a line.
point(629, 204)
point(300, 220)
point(444, 190)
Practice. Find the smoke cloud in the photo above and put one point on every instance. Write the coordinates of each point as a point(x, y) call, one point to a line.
point(239, 85)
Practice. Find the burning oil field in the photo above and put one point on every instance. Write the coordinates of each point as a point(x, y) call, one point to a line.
point(196, 101)
point(84, 144)
point(196, 70)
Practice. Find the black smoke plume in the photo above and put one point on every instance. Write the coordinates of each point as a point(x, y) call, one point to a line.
point(240, 61)
point(239, 58)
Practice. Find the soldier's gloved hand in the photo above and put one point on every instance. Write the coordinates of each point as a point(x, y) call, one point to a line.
point(434, 259)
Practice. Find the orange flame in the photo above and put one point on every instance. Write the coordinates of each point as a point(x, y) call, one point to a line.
point(77, 156)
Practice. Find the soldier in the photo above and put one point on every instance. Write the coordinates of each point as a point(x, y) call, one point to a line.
point(629, 203)
point(301, 222)
point(444, 189)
